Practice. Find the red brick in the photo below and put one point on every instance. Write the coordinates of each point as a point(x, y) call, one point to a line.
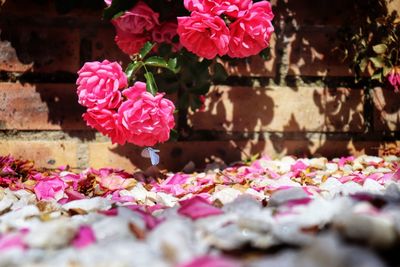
point(40, 107)
point(245, 109)
point(48, 154)
point(47, 49)
point(386, 109)
point(9, 60)
point(311, 54)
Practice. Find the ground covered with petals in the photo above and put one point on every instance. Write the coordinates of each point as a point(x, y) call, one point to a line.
point(287, 212)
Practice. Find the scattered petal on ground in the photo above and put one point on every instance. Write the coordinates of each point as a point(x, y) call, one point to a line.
point(287, 212)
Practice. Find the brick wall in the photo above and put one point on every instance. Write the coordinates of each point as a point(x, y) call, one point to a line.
point(302, 101)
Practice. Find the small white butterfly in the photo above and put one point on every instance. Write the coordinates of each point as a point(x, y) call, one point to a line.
point(151, 153)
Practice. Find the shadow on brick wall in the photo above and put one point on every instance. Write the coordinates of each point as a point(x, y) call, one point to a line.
point(42, 53)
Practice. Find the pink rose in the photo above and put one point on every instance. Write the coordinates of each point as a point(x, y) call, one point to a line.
point(394, 78)
point(202, 6)
point(106, 122)
point(50, 188)
point(204, 35)
point(165, 33)
point(147, 118)
point(108, 2)
point(232, 8)
point(130, 43)
point(251, 34)
point(99, 84)
point(137, 20)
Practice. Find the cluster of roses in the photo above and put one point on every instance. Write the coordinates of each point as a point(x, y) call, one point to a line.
point(123, 114)
point(139, 25)
point(237, 28)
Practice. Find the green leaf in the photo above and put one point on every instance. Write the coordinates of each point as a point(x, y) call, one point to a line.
point(363, 64)
point(116, 7)
point(119, 14)
point(173, 65)
point(156, 61)
point(145, 49)
point(132, 68)
point(151, 85)
point(386, 70)
point(380, 48)
point(377, 61)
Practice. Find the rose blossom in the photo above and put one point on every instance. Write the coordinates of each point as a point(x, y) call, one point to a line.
point(204, 34)
point(106, 122)
point(394, 78)
point(232, 8)
point(130, 43)
point(99, 84)
point(137, 20)
point(251, 33)
point(147, 118)
point(196, 5)
point(165, 33)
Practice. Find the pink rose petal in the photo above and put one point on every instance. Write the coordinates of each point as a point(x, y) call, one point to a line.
point(50, 188)
point(210, 261)
point(10, 241)
point(396, 175)
point(84, 237)
point(298, 166)
point(149, 219)
point(345, 160)
point(197, 207)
